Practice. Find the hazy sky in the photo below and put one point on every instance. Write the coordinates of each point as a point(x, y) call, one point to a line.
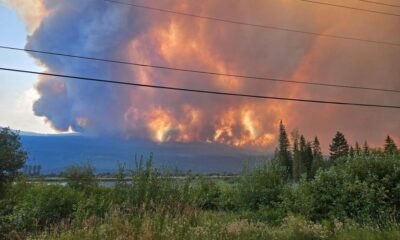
point(105, 30)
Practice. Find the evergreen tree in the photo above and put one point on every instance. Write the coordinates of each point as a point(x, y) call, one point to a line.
point(318, 159)
point(339, 147)
point(284, 155)
point(305, 157)
point(317, 152)
point(357, 150)
point(297, 168)
point(302, 145)
point(390, 146)
point(366, 150)
point(308, 161)
point(302, 157)
point(352, 152)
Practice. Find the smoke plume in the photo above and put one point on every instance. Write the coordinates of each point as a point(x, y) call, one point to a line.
point(108, 30)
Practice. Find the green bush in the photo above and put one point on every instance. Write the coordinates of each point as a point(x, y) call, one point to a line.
point(273, 215)
point(150, 191)
point(353, 197)
point(12, 158)
point(97, 204)
point(262, 186)
point(227, 196)
point(298, 198)
point(80, 177)
point(206, 194)
point(43, 205)
point(363, 189)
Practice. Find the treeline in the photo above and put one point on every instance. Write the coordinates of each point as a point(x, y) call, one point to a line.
point(304, 157)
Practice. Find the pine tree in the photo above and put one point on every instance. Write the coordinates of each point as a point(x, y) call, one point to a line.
point(357, 149)
point(297, 168)
point(366, 150)
point(302, 144)
point(305, 157)
point(308, 161)
point(318, 159)
point(284, 155)
point(317, 152)
point(390, 146)
point(302, 157)
point(352, 152)
point(339, 147)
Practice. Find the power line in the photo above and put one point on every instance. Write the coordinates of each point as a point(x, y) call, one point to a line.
point(203, 72)
point(201, 91)
point(253, 24)
point(348, 7)
point(383, 4)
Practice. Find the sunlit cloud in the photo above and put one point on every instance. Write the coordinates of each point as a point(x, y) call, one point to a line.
point(32, 12)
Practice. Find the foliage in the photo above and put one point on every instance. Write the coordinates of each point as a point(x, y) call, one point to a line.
point(297, 168)
point(357, 196)
point(151, 190)
point(390, 146)
point(339, 147)
point(366, 150)
point(41, 206)
point(206, 194)
point(318, 159)
point(283, 155)
point(363, 189)
point(298, 198)
point(80, 177)
point(97, 204)
point(261, 187)
point(12, 157)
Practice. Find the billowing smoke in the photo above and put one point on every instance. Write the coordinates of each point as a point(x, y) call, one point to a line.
point(107, 30)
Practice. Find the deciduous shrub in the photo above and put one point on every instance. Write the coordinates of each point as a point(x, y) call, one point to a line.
point(42, 205)
point(80, 177)
point(262, 186)
point(363, 189)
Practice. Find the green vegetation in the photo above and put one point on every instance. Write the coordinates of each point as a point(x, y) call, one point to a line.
point(352, 195)
point(12, 157)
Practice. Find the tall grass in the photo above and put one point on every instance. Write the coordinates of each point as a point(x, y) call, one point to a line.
point(358, 199)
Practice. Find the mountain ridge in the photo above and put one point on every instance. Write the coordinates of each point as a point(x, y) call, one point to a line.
point(56, 152)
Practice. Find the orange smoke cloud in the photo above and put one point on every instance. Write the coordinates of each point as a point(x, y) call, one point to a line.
point(239, 122)
point(182, 42)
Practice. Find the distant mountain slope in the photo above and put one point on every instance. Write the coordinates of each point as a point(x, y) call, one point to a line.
point(55, 153)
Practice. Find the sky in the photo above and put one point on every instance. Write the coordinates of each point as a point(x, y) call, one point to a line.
point(113, 31)
point(17, 92)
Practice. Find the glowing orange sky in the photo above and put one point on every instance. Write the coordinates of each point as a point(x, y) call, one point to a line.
point(219, 47)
